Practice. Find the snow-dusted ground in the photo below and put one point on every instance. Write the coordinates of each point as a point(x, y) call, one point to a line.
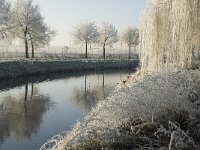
point(146, 110)
point(13, 68)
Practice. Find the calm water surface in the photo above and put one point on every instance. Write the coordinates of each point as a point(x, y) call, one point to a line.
point(35, 109)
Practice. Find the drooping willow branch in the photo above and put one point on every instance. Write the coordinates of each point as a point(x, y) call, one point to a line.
point(169, 34)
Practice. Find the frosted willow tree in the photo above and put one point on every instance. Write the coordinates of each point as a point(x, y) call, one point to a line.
point(131, 37)
point(86, 32)
point(108, 36)
point(4, 18)
point(170, 32)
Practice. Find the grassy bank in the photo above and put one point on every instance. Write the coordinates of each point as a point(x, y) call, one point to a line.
point(148, 111)
point(10, 69)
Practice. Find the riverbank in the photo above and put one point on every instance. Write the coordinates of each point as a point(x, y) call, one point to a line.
point(148, 110)
point(11, 69)
point(9, 83)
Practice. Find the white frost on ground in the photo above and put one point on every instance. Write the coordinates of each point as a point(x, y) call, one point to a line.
point(13, 68)
point(164, 103)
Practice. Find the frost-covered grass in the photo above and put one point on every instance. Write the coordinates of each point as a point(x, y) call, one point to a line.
point(27, 67)
point(148, 110)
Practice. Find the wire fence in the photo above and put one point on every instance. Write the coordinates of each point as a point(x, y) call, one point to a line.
point(63, 52)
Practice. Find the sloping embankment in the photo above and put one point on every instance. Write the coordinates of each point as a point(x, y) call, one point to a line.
point(158, 110)
point(25, 68)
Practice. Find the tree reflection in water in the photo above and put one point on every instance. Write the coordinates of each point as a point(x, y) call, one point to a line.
point(21, 115)
point(88, 97)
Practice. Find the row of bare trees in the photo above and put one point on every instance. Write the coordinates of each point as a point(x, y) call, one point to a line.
point(24, 22)
point(87, 32)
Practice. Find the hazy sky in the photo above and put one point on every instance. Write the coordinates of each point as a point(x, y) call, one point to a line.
point(63, 15)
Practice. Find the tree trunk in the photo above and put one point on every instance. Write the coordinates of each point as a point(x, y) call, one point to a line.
point(104, 51)
point(26, 44)
point(86, 47)
point(32, 46)
point(129, 53)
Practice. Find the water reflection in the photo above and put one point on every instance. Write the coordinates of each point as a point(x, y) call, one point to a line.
point(24, 103)
point(21, 114)
point(88, 97)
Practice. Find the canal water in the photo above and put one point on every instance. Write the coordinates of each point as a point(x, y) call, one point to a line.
point(32, 110)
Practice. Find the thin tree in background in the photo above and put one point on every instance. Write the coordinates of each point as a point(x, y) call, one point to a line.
point(86, 32)
point(29, 25)
point(40, 35)
point(24, 14)
point(108, 36)
point(130, 37)
point(4, 18)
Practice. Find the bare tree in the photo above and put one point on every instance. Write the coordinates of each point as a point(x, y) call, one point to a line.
point(108, 36)
point(86, 32)
point(130, 37)
point(40, 35)
point(4, 18)
point(28, 22)
point(41, 38)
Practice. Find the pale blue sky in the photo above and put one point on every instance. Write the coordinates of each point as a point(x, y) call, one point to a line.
point(63, 15)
